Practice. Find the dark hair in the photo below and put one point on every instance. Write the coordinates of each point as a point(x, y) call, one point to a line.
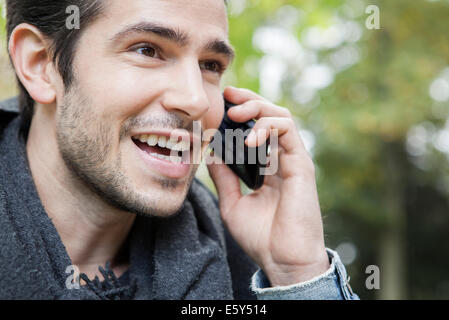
point(50, 17)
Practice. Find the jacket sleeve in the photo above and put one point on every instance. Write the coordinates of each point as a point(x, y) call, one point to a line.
point(331, 285)
point(249, 282)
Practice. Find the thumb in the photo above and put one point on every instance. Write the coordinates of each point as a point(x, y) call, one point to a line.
point(227, 185)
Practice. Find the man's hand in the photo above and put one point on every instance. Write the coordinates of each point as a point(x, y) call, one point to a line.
point(279, 226)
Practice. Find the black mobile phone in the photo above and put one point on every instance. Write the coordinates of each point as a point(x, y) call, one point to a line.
point(245, 162)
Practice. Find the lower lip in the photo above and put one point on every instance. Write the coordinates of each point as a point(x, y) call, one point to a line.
point(164, 167)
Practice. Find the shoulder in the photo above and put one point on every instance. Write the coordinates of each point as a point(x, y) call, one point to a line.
point(9, 109)
point(10, 105)
point(241, 266)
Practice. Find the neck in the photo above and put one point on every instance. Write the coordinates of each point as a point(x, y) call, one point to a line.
point(92, 231)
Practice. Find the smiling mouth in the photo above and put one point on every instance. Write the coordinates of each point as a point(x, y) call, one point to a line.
point(164, 148)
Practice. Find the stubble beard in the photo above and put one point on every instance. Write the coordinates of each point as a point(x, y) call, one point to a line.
point(85, 147)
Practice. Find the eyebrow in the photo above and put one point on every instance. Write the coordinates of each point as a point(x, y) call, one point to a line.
point(220, 47)
point(175, 35)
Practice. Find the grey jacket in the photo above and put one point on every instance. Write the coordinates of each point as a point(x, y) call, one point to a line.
point(188, 256)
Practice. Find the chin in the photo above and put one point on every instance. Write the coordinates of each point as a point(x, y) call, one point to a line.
point(164, 198)
point(163, 209)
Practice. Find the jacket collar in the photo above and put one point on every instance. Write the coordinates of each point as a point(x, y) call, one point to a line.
point(182, 257)
point(10, 105)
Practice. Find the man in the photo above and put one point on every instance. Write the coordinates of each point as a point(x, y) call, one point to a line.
point(83, 189)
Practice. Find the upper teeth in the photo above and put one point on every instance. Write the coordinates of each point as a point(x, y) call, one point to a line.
point(165, 142)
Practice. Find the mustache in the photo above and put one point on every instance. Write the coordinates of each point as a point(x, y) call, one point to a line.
point(169, 121)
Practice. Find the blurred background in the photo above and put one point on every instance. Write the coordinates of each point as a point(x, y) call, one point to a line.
point(368, 82)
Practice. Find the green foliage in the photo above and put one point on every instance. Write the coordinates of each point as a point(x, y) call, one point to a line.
point(361, 121)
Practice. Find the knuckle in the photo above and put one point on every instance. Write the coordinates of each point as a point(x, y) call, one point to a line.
point(254, 104)
point(264, 121)
point(310, 165)
point(263, 106)
point(291, 122)
point(286, 112)
point(249, 92)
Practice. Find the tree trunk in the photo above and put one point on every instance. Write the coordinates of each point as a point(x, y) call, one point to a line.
point(392, 244)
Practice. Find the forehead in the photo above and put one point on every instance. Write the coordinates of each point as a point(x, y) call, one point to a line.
point(197, 18)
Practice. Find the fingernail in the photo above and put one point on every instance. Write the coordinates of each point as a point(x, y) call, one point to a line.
point(251, 137)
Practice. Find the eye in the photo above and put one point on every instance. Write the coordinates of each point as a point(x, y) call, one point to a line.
point(213, 66)
point(147, 50)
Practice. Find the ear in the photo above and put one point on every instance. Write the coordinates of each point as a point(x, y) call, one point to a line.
point(29, 51)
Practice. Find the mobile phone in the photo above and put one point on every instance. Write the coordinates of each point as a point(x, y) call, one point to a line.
point(245, 162)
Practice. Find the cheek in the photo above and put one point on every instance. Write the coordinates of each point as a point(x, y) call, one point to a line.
point(211, 122)
point(115, 99)
point(210, 125)
point(117, 89)
point(120, 95)
point(214, 116)
point(215, 120)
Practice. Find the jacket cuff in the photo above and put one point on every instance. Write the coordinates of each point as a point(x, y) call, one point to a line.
point(331, 285)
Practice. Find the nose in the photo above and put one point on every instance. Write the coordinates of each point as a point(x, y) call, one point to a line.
point(186, 93)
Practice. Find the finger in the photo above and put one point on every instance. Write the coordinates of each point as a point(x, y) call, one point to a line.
point(285, 130)
point(227, 185)
point(255, 109)
point(239, 95)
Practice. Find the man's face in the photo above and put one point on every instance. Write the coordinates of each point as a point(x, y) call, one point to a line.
point(144, 67)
